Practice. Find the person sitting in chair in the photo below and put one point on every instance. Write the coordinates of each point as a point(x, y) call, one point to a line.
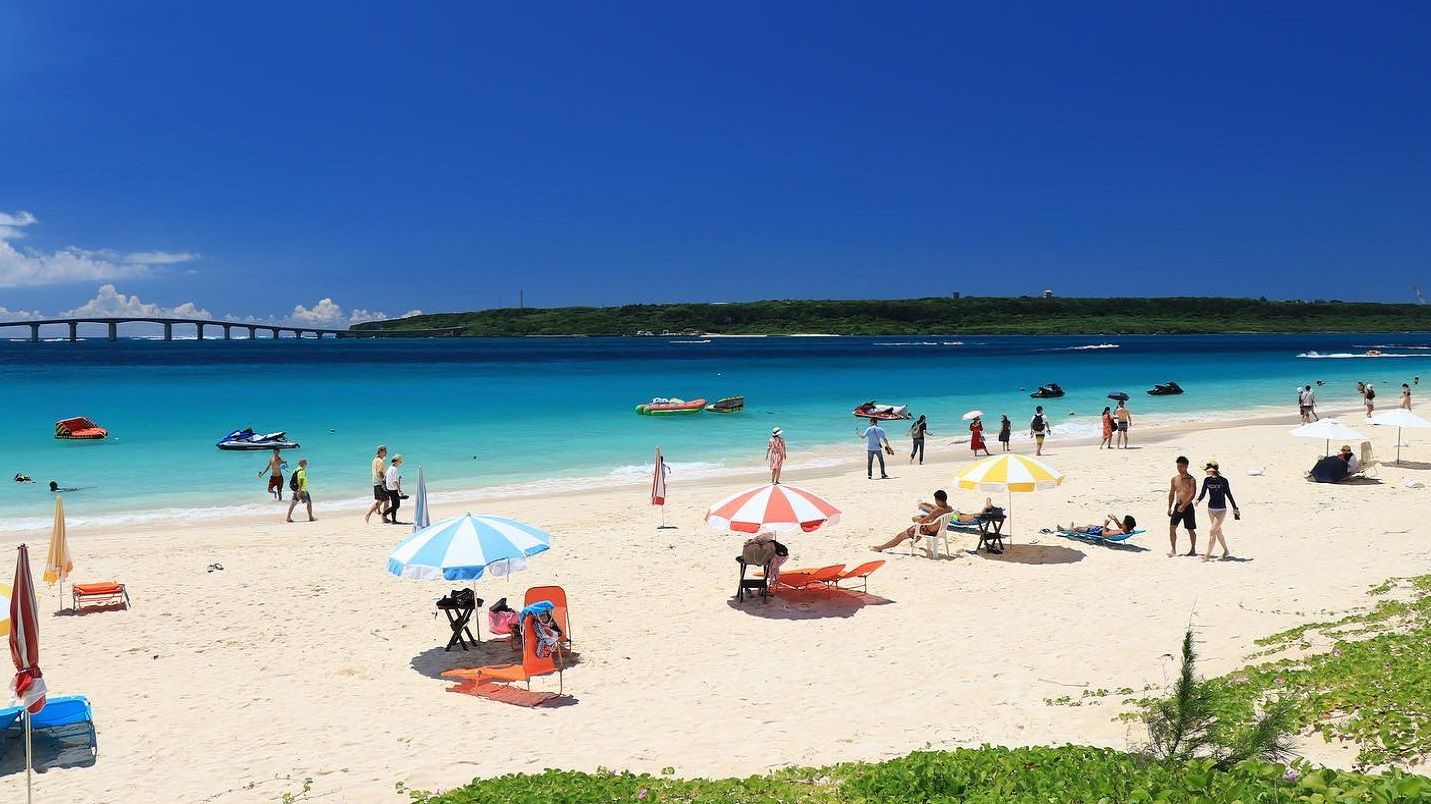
point(1112, 526)
point(923, 521)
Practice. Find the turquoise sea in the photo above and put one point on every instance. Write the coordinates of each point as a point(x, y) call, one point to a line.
point(551, 413)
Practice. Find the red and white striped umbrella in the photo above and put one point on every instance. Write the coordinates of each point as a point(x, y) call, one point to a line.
point(772, 507)
point(28, 687)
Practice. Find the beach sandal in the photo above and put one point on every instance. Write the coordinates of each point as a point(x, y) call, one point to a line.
point(215, 566)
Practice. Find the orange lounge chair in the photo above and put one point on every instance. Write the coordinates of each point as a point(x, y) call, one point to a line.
point(560, 612)
point(799, 579)
point(102, 593)
point(531, 665)
point(860, 573)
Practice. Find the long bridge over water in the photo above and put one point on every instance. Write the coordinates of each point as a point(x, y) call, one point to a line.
point(227, 327)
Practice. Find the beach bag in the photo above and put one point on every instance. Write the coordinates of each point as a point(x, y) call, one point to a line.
point(293, 484)
point(758, 552)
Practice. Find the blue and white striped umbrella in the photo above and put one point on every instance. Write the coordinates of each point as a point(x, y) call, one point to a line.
point(420, 517)
point(465, 548)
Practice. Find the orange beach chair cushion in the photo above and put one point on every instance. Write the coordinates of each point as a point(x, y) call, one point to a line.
point(99, 593)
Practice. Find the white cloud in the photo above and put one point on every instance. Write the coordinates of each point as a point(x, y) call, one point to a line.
point(328, 314)
point(21, 267)
point(19, 315)
point(110, 303)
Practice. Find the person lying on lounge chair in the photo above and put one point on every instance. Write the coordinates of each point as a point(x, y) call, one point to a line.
point(923, 522)
point(965, 518)
point(1112, 526)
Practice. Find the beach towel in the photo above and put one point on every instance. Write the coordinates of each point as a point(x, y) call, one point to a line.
point(502, 623)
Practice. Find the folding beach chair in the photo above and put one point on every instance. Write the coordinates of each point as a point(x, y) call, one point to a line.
point(801, 578)
point(860, 573)
point(66, 716)
point(532, 663)
point(1090, 538)
point(100, 593)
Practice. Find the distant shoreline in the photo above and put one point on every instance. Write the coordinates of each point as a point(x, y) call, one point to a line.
point(946, 316)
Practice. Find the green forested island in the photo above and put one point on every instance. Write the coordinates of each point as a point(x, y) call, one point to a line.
point(937, 316)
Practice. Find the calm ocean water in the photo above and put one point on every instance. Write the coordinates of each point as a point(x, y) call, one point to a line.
point(552, 413)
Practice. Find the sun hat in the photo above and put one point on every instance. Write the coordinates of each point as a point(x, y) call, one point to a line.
point(775, 431)
point(1210, 465)
point(1346, 448)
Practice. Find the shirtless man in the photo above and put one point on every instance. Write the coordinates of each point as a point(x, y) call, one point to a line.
point(1122, 418)
point(921, 521)
point(1181, 492)
point(275, 474)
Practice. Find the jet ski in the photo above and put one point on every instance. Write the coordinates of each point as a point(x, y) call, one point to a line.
point(247, 439)
point(874, 410)
point(1049, 391)
point(1165, 389)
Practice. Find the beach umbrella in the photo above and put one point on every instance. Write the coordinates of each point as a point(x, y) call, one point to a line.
point(972, 415)
point(28, 686)
point(772, 507)
point(464, 548)
point(1121, 396)
point(1400, 418)
point(1009, 473)
point(58, 565)
point(1327, 429)
point(658, 488)
point(4, 609)
point(421, 518)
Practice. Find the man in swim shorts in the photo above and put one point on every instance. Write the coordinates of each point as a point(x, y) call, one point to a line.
point(1181, 493)
point(275, 474)
point(1307, 402)
point(1038, 428)
point(1124, 418)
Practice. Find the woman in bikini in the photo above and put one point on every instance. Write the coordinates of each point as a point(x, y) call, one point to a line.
point(1112, 526)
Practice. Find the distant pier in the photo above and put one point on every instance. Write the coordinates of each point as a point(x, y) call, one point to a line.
point(227, 327)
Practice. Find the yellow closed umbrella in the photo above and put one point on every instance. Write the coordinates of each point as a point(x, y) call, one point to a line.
point(1009, 473)
point(58, 565)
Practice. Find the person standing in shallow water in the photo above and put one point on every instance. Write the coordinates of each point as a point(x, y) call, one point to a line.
point(775, 454)
point(275, 474)
point(1005, 430)
point(917, 432)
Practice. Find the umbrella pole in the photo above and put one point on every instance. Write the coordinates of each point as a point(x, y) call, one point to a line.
point(28, 756)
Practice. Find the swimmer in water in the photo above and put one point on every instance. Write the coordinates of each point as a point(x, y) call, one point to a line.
point(21, 477)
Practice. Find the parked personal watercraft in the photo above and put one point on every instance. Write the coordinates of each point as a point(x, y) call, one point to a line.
point(1049, 391)
point(1165, 389)
point(247, 439)
point(661, 406)
point(874, 410)
point(730, 404)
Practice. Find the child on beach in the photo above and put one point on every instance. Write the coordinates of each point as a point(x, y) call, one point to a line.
point(1005, 428)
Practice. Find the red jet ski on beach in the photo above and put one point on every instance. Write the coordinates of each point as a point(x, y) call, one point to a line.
point(874, 410)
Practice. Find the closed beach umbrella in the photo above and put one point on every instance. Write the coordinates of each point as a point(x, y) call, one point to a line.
point(1400, 418)
point(58, 565)
point(772, 507)
point(1009, 473)
point(1327, 429)
point(28, 686)
point(466, 547)
point(1121, 396)
point(420, 517)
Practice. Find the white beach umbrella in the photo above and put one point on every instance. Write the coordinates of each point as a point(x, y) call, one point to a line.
point(1327, 429)
point(1400, 418)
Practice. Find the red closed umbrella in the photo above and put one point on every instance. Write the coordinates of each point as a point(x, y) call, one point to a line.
point(28, 686)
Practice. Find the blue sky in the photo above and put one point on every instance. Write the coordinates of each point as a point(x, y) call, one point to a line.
point(253, 159)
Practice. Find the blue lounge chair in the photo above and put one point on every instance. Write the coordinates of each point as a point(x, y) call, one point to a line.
point(1085, 536)
point(66, 716)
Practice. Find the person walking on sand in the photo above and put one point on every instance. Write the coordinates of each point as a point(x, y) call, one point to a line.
point(1405, 396)
point(380, 493)
point(1005, 430)
point(775, 454)
point(275, 474)
point(1369, 397)
point(1307, 404)
point(1107, 428)
point(976, 436)
point(301, 494)
point(392, 483)
point(1124, 419)
point(875, 447)
point(1038, 428)
point(1180, 507)
point(917, 432)
point(1219, 493)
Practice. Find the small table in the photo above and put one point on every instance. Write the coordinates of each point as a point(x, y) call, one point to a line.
point(460, 617)
point(751, 585)
point(991, 535)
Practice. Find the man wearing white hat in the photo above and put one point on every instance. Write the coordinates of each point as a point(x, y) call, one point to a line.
point(775, 453)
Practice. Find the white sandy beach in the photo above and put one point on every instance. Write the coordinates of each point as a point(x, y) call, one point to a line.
point(304, 658)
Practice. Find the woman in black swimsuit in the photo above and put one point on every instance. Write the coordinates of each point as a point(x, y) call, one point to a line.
point(1219, 493)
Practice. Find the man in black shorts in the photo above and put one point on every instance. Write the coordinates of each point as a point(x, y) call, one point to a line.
point(1181, 493)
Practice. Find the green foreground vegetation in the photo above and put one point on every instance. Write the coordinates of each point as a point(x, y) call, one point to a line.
point(942, 316)
point(1362, 678)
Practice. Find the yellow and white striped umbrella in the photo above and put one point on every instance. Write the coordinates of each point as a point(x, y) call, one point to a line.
point(4, 609)
point(1009, 472)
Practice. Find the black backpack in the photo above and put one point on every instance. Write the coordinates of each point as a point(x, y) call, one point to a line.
point(293, 480)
